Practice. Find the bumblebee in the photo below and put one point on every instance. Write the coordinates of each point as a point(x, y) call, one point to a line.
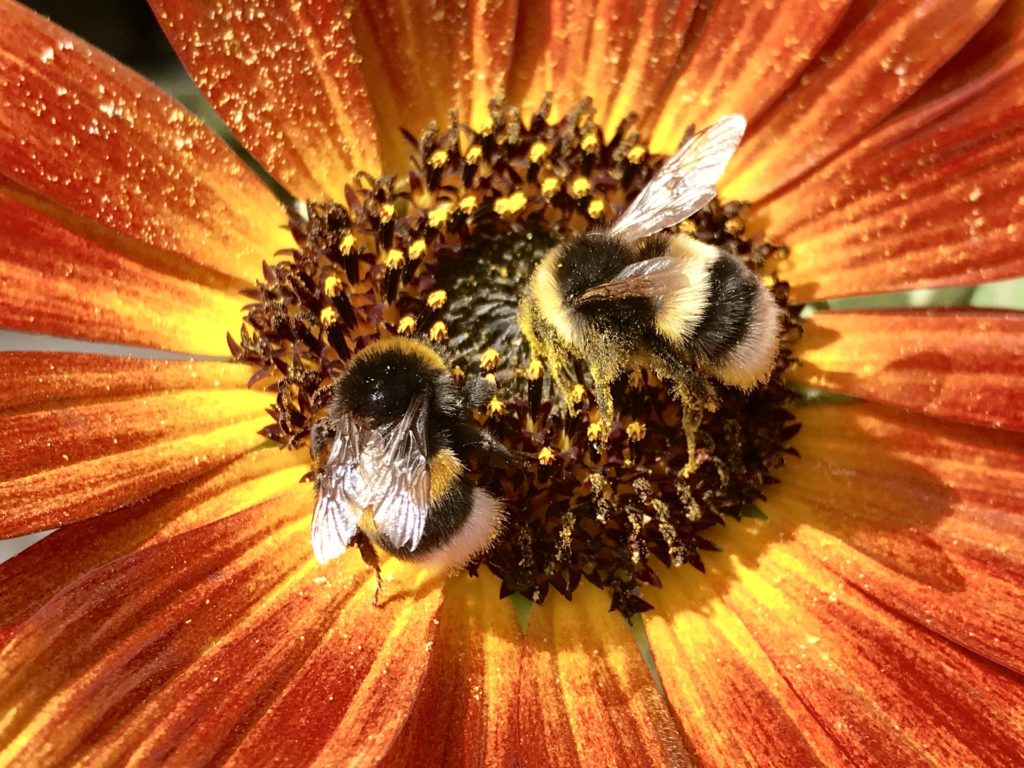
point(391, 461)
point(630, 297)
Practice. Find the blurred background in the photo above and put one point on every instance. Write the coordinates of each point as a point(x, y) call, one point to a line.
point(128, 31)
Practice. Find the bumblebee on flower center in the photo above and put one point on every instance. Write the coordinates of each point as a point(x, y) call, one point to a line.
point(586, 466)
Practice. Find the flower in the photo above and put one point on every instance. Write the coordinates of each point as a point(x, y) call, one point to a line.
point(869, 615)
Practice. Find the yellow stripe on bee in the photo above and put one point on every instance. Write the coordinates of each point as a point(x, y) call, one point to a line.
point(445, 469)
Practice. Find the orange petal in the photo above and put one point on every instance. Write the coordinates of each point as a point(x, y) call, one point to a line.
point(467, 705)
point(420, 63)
point(354, 686)
point(586, 696)
point(877, 59)
point(933, 198)
point(63, 464)
point(37, 574)
point(965, 365)
point(285, 77)
point(66, 276)
point(924, 516)
point(91, 658)
point(745, 56)
point(94, 137)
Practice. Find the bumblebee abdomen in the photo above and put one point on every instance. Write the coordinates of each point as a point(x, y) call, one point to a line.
point(728, 315)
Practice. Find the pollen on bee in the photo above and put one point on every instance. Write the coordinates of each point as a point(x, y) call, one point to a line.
point(549, 186)
point(580, 187)
point(348, 242)
point(329, 316)
point(546, 456)
point(595, 209)
point(438, 332)
point(590, 143)
point(332, 286)
point(417, 248)
point(394, 259)
point(468, 203)
point(636, 431)
point(436, 299)
point(387, 212)
point(538, 151)
point(511, 205)
point(734, 226)
point(577, 395)
point(489, 359)
point(407, 325)
point(474, 155)
point(636, 154)
point(534, 370)
point(437, 158)
point(439, 215)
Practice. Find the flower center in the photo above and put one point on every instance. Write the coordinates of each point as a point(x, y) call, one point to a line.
point(444, 255)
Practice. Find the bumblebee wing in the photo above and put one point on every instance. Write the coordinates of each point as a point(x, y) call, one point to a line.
point(685, 183)
point(340, 492)
point(396, 462)
point(652, 278)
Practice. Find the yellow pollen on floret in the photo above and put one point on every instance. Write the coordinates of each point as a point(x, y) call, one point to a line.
point(636, 154)
point(489, 359)
point(546, 456)
point(438, 331)
point(491, 381)
point(580, 187)
point(474, 155)
point(436, 299)
point(688, 227)
point(534, 370)
point(577, 394)
point(329, 316)
point(595, 208)
point(594, 431)
point(348, 242)
point(458, 374)
point(417, 248)
point(495, 407)
point(332, 285)
point(407, 325)
point(511, 205)
point(589, 143)
point(468, 204)
point(387, 212)
point(439, 215)
point(549, 186)
point(734, 226)
point(636, 431)
point(538, 151)
point(437, 158)
point(394, 259)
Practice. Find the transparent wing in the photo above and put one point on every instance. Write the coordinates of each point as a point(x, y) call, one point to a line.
point(396, 461)
point(651, 278)
point(685, 183)
point(340, 494)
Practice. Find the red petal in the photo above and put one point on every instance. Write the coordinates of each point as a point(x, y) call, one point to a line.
point(89, 134)
point(286, 78)
point(934, 198)
point(875, 61)
point(37, 574)
point(965, 365)
point(587, 693)
point(934, 510)
point(745, 56)
point(65, 276)
point(59, 465)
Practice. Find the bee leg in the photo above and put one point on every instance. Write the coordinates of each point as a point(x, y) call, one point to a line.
point(370, 557)
point(692, 418)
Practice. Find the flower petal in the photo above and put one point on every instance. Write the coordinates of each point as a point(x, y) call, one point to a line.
point(419, 65)
point(35, 575)
point(878, 57)
point(95, 654)
point(286, 78)
point(472, 680)
point(936, 533)
point(65, 276)
point(62, 464)
point(584, 689)
point(933, 198)
point(745, 56)
point(90, 135)
point(965, 365)
point(353, 691)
